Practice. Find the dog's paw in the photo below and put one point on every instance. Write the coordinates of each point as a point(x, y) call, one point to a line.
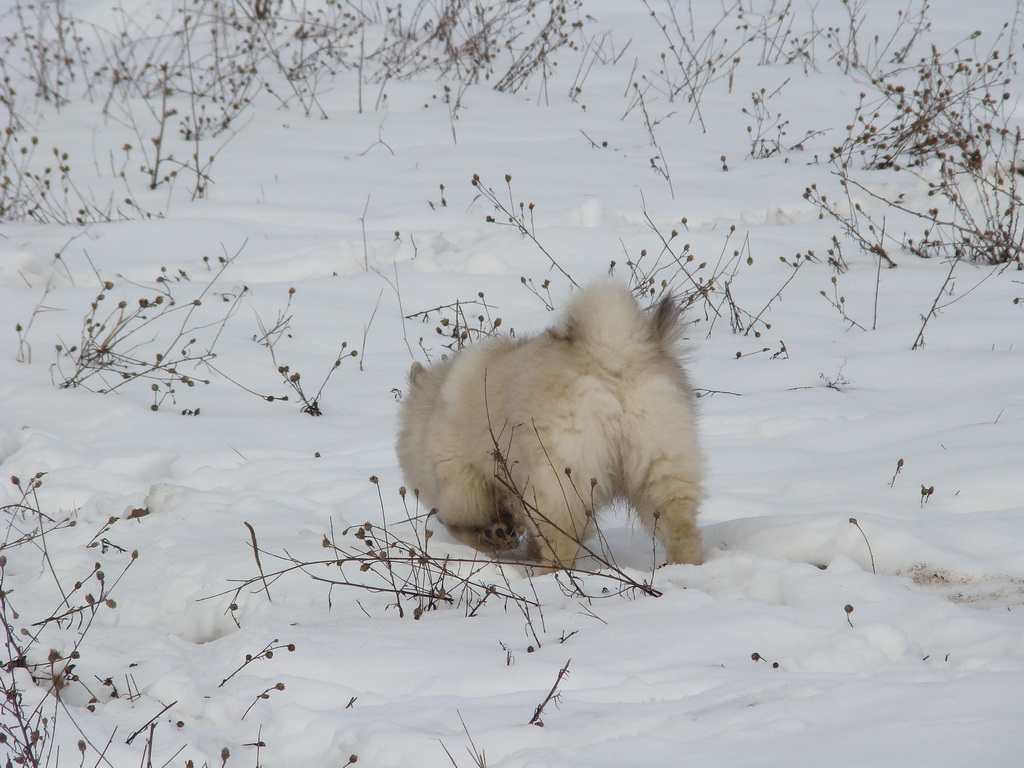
point(501, 536)
point(494, 537)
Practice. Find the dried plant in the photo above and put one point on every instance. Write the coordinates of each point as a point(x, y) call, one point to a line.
point(456, 326)
point(522, 220)
point(553, 696)
point(116, 345)
point(694, 60)
point(468, 40)
point(393, 559)
point(28, 658)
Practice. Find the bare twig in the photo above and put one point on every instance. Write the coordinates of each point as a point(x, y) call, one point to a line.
point(853, 521)
point(256, 555)
point(552, 696)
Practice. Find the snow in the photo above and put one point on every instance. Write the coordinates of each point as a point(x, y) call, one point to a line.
point(803, 426)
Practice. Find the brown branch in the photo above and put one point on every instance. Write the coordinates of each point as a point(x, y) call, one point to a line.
point(535, 720)
point(256, 554)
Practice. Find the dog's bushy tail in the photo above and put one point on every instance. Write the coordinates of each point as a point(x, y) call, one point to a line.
point(606, 320)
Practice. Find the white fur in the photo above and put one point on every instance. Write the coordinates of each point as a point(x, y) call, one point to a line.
point(488, 435)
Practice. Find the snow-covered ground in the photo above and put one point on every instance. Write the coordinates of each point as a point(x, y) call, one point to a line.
point(805, 637)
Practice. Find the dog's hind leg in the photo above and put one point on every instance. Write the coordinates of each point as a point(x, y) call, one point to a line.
point(675, 525)
point(667, 504)
point(663, 483)
point(558, 525)
point(662, 466)
point(555, 550)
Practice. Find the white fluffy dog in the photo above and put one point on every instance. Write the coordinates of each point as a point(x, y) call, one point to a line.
point(534, 434)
